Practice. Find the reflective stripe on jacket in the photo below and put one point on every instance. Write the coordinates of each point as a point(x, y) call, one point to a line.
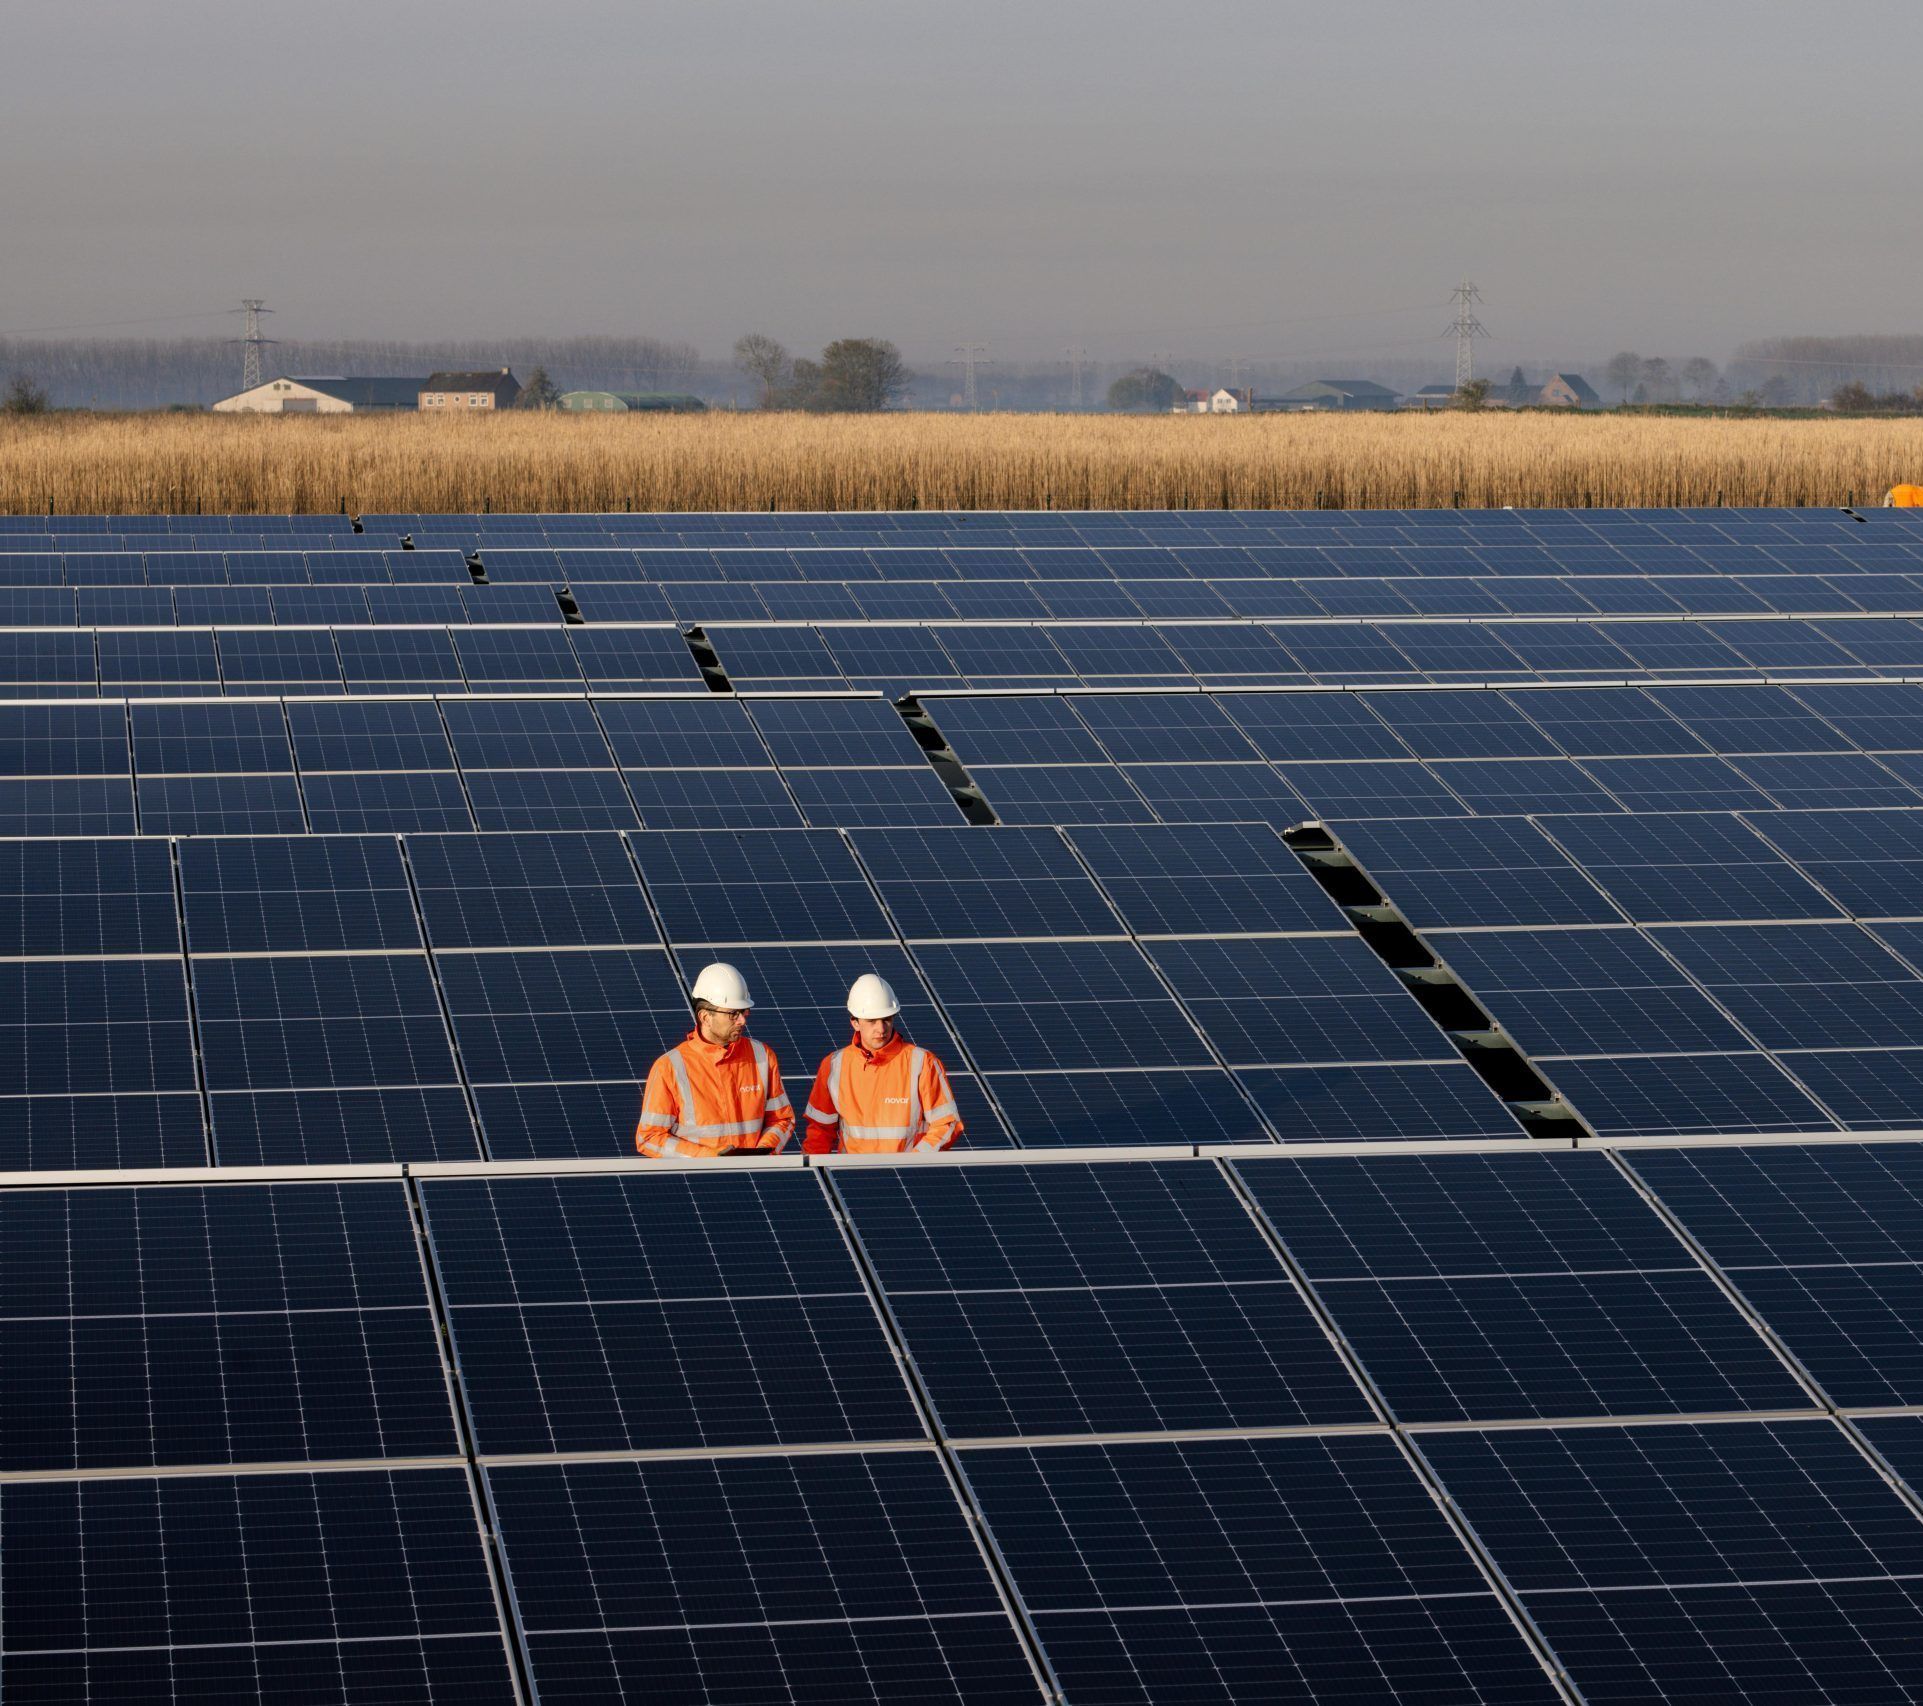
point(701, 1100)
point(897, 1098)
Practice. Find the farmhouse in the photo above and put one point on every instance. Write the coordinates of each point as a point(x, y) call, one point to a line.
point(495, 389)
point(324, 394)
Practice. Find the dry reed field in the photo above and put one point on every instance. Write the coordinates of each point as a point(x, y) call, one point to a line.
point(185, 464)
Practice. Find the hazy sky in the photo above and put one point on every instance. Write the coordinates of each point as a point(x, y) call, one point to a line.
point(1271, 178)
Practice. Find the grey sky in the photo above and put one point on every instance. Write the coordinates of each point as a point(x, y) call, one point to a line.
point(1221, 175)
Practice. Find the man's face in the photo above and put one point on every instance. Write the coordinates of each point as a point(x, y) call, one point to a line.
point(722, 1025)
point(873, 1034)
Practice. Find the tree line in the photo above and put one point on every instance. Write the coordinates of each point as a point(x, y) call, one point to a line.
point(858, 376)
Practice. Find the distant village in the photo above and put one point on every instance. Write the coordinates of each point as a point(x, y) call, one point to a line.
point(436, 394)
point(1558, 391)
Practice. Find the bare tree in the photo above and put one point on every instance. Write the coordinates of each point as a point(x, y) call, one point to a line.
point(24, 397)
point(1700, 377)
point(1623, 371)
point(764, 360)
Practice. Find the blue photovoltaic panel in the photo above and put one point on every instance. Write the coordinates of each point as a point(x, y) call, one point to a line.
point(551, 1017)
point(1061, 793)
point(631, 1341)
point(182, 661)
point(1683, 1095)
point(1503, 787)
point(219, 805)
point(1378, 788)
point(205, 738)
point(1461, 725)
point(1506, 1287)
point(69, 1133)
point(712, 799)
point(680, 733)
point(1376, 1103)
point(736, 886)
point(1805, 985)
point(211, 1325)
point(1283, 1001)
point(1162, 728)
point(1207, 793)
point(75, 1027)
point(1677, 784)
point(1031, 730)
point(635, 658)
point(1214, 1569)
point(390, 801)
point(1739, 720)
point(862, 795)
point(755, 1556)
point(1092, 1299)
point(1461, 872)
point(1113, 1109)
point(779, 656)
point(86, 897)
point(358, 1586)
point(63, 740)
point(528, 891)
point(1032, 1006)
point(56, 806)
point(1169, 881)
point(1574, 992)
point(1872, 862)
point(1884, 717)
point(309, 1128)
point(290, 660)
point(511, 657)
point(1742, 1562)
point(296, 895)
point(1313, 726)
point(971, 883)
point(1822, 1244)
point(1674, 869)
point(513, 734)
point(398, 660)
point(549, 799)
point(1607, 722)
point(1841, 779)
point(847, 734)
point(562, 1121)
point(330, 1022)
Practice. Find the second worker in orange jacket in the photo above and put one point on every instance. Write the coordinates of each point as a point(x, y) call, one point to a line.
point(880, 1094)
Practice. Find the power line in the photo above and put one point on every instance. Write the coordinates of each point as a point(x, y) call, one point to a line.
point(250, 340)
point(1076, 356)
point(1465, 329)
point(968, 357)
point(107, 325)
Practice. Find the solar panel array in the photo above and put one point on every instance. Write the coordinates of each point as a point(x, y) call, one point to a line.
point(1436, 1000)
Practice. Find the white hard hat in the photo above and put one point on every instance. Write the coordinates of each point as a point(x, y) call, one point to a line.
point(720, 985)
point(872, 997)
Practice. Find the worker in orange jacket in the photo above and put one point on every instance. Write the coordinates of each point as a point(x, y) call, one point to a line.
point(880, 1094)
point(717, 1091)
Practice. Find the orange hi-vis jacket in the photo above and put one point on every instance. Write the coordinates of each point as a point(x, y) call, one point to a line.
point(894, 1099)
point(702, 1099)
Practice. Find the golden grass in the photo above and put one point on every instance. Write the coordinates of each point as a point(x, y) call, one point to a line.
point(182, 464)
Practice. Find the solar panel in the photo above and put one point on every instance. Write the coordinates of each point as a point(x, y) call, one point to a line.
point(1032, 1006)
point(872, 796)
point(1461, 725)
point(296, 895)
point(1313, 726)
point(635, 658)
point(397, 660)
point(1280, 1001)
point(688, 1535)
point(360, 1585)
point(680, 733)
point(556, 1016)
point(735, 886)
point(1751, 1560)
point(368, 735)
point(174, 1325)
point(1466, 872)
point(205, 738)
point(1092, 1299)
point(397, 802)
point(711, 799)
point(86, 897)
point(1372, 1103)
point(81, 806)
point(219, 805)
point(838, 733)
point(1670, 869)
point(1030, 730)
point(70, 1133)
point(632, 1343)
point(1683, 1095)
point(1512, 1287)
point(528, 890)
point(1216, 1568)
point(513, 734)
point(1167, 881)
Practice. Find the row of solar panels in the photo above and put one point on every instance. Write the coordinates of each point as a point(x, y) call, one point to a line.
point(1681, 974)
point(1047, 1313)
point(363, 999)
point(135, 566)
point(897, 659)
point(687, 762)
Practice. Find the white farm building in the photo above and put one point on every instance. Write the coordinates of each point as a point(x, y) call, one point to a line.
point(323, 394)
